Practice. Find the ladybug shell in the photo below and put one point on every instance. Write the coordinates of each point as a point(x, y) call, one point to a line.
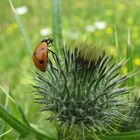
point(40, 56)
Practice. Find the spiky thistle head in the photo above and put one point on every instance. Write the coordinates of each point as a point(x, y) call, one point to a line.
point(83, 90)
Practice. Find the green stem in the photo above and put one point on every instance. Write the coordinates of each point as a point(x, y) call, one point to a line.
point(57, 27)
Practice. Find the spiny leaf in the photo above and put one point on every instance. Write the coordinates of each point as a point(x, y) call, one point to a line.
point(78, 91)
point(103, 64)
point(89, 87)
point(115, 68)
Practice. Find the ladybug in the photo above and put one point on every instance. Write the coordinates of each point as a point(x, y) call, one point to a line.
point(40, 55)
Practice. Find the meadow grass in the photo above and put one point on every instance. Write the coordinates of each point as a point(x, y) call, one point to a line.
point(21, 33)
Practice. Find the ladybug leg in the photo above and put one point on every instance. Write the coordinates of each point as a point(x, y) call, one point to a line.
point(51, 52)
point(54, 55)
point(52, 67)
point(50, 45)
point(50, 41)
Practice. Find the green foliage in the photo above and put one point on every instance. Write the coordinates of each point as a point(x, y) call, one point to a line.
point(23, 31)
point(21, 128)
point(135, 135)
point(134, 113)
point(83, 94)
point(16, 67)
point(130, 58)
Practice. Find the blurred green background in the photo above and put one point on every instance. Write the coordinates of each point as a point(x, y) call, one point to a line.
point(94, 19)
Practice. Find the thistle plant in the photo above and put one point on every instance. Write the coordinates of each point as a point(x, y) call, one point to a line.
point(84, 91)
point(134, 113)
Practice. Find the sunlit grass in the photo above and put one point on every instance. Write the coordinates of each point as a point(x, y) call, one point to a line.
point(19, 33)
point(129, 56)
point(23, 31)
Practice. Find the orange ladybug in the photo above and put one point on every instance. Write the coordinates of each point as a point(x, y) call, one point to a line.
point(40, 55)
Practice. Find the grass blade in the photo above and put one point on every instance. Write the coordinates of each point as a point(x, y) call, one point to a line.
point(23, 31)
point(6, 132)
point(130, 58)
point(17, 125)
point(21, 128)
point(23, 116)
point(117, 44)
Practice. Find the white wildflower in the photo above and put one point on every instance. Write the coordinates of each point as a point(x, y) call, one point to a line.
point(100, 25)
point(45, 31)
point(90, 28)
point(21, 10)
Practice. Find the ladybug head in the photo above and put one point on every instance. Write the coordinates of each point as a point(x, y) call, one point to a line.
point(47, 40)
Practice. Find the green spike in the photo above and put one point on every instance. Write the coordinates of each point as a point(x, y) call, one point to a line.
point(83, 89)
